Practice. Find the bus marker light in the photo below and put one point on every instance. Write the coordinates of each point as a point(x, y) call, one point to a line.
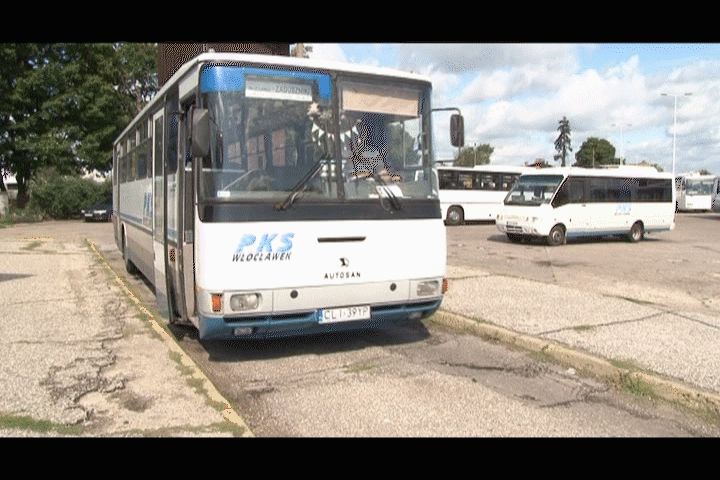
point(216, 302)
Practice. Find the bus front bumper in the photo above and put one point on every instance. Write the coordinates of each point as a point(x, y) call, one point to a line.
point(307, 323)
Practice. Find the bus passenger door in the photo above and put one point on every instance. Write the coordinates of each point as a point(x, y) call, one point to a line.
point(183, 268)
point(576, 213)
point(179, 229)
point(158, 191)
point(116, 196)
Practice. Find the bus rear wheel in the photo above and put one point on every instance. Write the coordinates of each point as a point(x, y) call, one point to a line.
point(455, 216)
point(637, 232)
point(129, 265)
point(556, 236)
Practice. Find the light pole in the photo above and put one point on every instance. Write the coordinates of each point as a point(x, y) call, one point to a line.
point(622, 145)
point(675, 95)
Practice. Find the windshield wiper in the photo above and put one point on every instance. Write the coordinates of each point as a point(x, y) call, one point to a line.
point(300, 186)
point(394, 200)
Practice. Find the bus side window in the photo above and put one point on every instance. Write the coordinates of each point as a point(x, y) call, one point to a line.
point(508, 180)
point(562, 197)
point(577, 190)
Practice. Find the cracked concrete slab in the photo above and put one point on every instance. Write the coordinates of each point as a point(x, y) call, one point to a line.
point(75, 356)
point(532, 307)
point(667, 344)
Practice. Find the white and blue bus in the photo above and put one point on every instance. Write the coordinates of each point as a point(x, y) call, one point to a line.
point(562, 203)
point(475, 193)
point(270, 196)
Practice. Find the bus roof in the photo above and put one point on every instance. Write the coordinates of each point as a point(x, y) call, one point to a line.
point(620, 171)
point(695, 176)
point(490, 168)
point(274, 60)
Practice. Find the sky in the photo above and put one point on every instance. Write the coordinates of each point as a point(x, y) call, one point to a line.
point(513, 95)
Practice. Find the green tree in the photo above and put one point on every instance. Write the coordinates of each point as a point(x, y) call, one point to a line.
point(647, 163)
point(563, 141)
point(479, 155)
point(595, 152)
point(63, 104)
point(137, 74)
point(705, 171)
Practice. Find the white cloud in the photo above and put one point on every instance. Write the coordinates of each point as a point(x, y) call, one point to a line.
point(593, 101)
point(327, 51)
point(457, 57)
point(512, 96)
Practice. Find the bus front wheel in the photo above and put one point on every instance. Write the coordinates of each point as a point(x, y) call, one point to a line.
point(556, 236)
point(637, 232)
point(455, 216)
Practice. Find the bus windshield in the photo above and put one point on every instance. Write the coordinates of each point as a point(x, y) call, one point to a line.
point(533, 190)
point(261, 147)
point(699, 187)
point(270, 129)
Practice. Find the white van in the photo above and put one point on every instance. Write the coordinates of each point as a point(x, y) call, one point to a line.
point(694, 192)
point(572, 202)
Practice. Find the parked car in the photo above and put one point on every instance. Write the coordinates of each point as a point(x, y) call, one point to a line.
point(98, 212)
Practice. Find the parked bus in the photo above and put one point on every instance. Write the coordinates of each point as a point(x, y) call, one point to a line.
point(694, 192)
point(716, 196)
point(475, 193)
point(271, 196)
point(573, 202)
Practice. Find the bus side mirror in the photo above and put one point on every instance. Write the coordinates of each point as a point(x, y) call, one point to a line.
point(200, 132)
point(457, 130)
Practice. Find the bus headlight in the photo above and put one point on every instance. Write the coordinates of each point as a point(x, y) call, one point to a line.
point(428, 288)
point(245, 301)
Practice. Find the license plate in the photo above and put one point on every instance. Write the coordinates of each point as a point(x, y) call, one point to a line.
point(345, 314)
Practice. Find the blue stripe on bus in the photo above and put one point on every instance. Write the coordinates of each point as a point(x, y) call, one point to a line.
point(597, 233)
point(137, 222)
point(232, 79)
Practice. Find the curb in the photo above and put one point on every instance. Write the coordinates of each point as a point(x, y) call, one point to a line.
point(228, 413)
point(670, 390)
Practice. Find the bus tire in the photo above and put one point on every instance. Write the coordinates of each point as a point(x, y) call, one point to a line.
point(129, 265)
point(637, 232)
point(514, 237)
point(455, 216)
point(556, 236)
